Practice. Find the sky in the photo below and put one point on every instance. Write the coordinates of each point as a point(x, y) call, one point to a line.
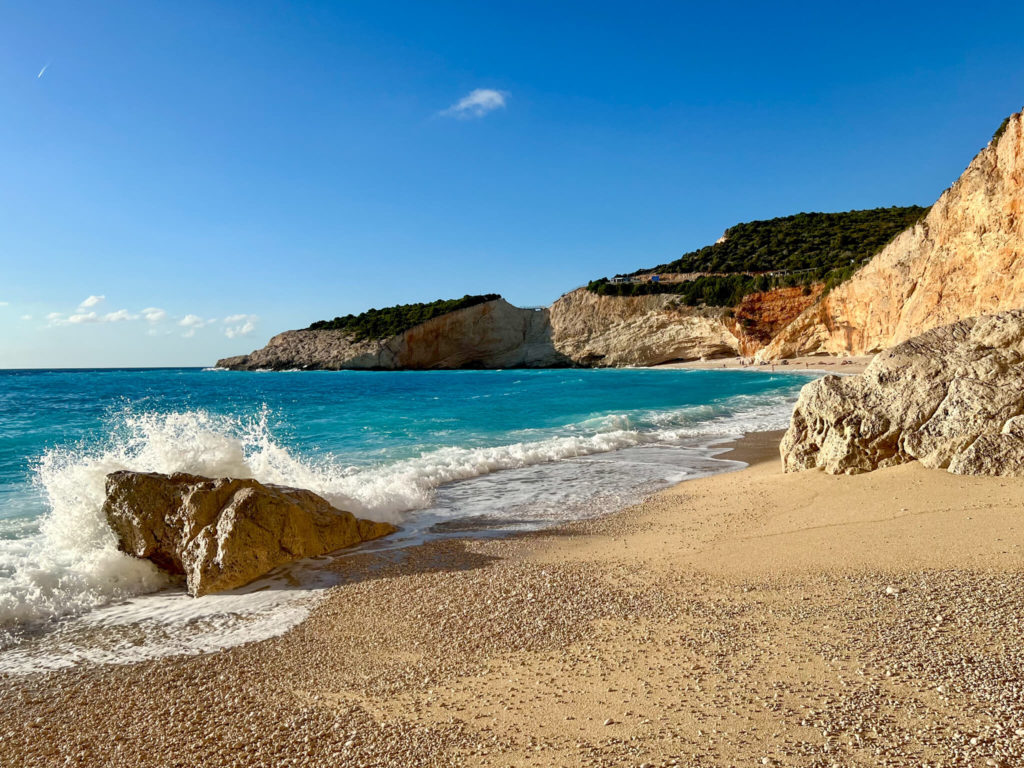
point(181, 180)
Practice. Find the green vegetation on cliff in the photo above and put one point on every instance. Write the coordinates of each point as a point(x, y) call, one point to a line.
point(382, 323)
point(1002, 128)
point(760, 255)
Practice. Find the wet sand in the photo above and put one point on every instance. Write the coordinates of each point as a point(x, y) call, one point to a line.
point(749, 618)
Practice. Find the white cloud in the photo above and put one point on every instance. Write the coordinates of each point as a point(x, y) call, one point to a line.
point(152, 316)
point(4, 303)
point(26, 317)
point(85, 317)
point(477, 103)
point(119, 316)
point(192, 323)
point(240, 325)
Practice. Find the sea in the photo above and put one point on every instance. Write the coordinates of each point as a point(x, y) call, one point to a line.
point(439, 453)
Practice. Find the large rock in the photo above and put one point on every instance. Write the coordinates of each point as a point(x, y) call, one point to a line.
point(964, 259)
point(223, 533)
point(952, 398)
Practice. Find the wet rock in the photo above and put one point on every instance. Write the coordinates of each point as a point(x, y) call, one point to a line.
point(223, 533)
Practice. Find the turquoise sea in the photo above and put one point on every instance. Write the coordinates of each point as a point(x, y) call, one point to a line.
point(439, 453)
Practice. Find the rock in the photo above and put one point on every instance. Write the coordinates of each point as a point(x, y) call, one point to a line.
point(964, 259)
point(223, 533)
point(951, 398)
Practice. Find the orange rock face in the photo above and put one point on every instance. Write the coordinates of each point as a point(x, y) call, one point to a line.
point(965, 258)
point(760, 316)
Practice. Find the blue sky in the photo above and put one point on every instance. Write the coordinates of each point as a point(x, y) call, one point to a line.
point(185, 179)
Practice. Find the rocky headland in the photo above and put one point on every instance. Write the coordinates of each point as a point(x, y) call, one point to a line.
point(581, 329)
point(492, 334)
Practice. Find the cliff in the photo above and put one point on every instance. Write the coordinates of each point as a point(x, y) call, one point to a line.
point(493, 334)
point(597, 330)
point(963, 259)
point(761, 316)
point(580, 329)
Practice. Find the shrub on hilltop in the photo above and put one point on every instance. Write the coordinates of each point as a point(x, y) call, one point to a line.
point(382, 323)
point(788, 251)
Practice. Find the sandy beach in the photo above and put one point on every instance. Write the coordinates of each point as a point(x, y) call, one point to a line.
point(819, 363)
point(748, 618)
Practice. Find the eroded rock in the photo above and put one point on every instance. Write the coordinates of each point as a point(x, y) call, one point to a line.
point(223, 533)
point(951, 398)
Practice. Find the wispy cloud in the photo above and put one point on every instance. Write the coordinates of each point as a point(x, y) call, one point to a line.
point(41, 71)
point(239, 325)
point(158, 320)
point(476, 103)
point(192, 323)
point(26, 317)
point(84, 317)
point(119, 316)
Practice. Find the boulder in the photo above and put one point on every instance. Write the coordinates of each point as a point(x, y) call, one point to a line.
point(950, 398)
point(223, 533)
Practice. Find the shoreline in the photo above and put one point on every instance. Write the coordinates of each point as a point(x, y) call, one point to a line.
point(726, 620)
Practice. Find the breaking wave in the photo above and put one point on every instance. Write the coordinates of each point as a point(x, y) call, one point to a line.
point(70, 563)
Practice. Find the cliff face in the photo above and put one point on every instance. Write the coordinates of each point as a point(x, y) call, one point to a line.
point(490, 335)
point(760, 316)
point(580, 329)
point(597, 330)
point(964, 259)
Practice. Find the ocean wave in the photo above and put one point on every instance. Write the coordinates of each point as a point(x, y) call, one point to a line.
point(72, 563)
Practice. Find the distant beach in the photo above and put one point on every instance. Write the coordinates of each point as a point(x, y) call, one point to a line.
point(810, 363)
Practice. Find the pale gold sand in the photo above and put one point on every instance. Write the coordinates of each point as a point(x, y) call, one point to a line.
point(737, 620)
point(825, 363)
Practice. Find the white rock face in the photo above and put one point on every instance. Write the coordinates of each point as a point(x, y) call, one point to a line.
point(951, 398)
point(223, 533)
point(637, 330)
point(966, 258)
